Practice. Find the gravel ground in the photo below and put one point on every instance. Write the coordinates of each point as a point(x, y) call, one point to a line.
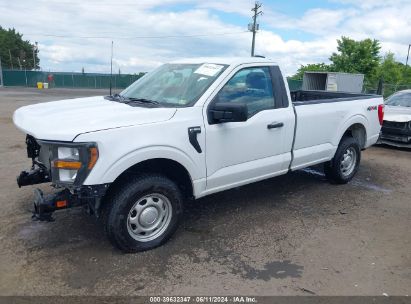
point(291, 235)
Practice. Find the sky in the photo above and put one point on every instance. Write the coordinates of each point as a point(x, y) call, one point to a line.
point(76, 34)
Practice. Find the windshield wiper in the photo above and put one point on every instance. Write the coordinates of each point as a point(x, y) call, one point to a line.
point(141, 100)
point(129, 100)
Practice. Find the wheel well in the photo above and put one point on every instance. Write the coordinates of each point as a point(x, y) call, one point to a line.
point(167, 167)
point(358, 132)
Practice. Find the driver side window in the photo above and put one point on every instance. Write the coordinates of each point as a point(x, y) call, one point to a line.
point(252, 86)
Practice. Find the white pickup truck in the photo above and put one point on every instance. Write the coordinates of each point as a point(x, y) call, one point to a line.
point(188, 129)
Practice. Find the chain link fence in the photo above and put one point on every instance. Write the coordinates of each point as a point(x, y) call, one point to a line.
point(388, 89)
point(121, 81)
point(68, 80)
point(83, 80)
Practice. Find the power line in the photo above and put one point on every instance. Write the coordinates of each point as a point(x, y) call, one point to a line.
point(135, 37)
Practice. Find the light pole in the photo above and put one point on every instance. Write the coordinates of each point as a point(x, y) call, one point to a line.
point(408, 54)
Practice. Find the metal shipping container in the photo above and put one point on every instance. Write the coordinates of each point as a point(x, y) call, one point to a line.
point(333, 81)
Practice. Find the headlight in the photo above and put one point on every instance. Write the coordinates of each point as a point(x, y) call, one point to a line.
point(68, 163)
point(68, 153)
point(71, 162)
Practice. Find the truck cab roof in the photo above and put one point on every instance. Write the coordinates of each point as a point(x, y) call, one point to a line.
point(225, 60)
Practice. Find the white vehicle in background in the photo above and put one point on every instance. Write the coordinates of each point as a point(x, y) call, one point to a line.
point(186, 130)
point(396, 129)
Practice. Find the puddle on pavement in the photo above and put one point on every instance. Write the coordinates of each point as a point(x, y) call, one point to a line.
point(32, 230)
point(276, 269)
point(355, 182)
point(369, 186)
point(313, 172)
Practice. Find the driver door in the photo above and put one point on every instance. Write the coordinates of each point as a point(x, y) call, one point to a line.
point(241, 152)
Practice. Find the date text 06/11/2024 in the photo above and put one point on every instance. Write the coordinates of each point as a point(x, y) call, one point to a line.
point(203, 299)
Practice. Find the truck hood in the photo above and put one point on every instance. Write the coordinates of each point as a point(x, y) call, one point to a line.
point(65, 119)
point(397, 114)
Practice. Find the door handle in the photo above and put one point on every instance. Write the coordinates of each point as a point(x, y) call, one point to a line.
point(274, 125)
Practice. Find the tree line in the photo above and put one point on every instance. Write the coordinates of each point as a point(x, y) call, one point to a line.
point(16, 53)
point(364, 57)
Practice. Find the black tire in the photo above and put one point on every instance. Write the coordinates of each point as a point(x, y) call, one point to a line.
point(117, 211)
point(334, 170)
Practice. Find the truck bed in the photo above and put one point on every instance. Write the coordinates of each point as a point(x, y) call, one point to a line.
point(302, 97)
point(320, 125)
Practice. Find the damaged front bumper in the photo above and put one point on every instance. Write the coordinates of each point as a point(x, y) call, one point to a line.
point(71, 193)
point(87, 196)
point(45, 205)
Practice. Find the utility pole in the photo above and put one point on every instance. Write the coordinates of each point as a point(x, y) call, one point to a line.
point(408, 54)
point(111, 66)
point(254, 27)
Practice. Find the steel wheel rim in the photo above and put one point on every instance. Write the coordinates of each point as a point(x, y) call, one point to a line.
point(149, 217)
point(348, 161)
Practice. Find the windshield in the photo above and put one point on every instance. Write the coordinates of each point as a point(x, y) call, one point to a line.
point(174, 84)
point(399, 99)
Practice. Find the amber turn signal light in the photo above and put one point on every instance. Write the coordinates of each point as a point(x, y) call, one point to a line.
point(93, 157)
point(61, 204)
point(64, 164)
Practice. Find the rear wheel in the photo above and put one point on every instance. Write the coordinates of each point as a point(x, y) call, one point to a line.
point(343, 167)
point(143, 213)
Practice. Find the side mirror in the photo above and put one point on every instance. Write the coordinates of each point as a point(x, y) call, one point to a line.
point(227, 112)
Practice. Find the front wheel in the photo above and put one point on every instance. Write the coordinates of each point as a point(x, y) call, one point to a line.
point(343, 167)
point(143, 213)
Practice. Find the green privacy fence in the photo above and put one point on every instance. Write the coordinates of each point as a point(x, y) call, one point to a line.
point(295, 85)
point(67, 80)
point(83, 80)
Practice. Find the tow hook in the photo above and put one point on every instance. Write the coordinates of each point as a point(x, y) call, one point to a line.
point(45, 205)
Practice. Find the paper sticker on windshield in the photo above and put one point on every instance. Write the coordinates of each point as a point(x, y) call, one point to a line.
point(209, 69)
